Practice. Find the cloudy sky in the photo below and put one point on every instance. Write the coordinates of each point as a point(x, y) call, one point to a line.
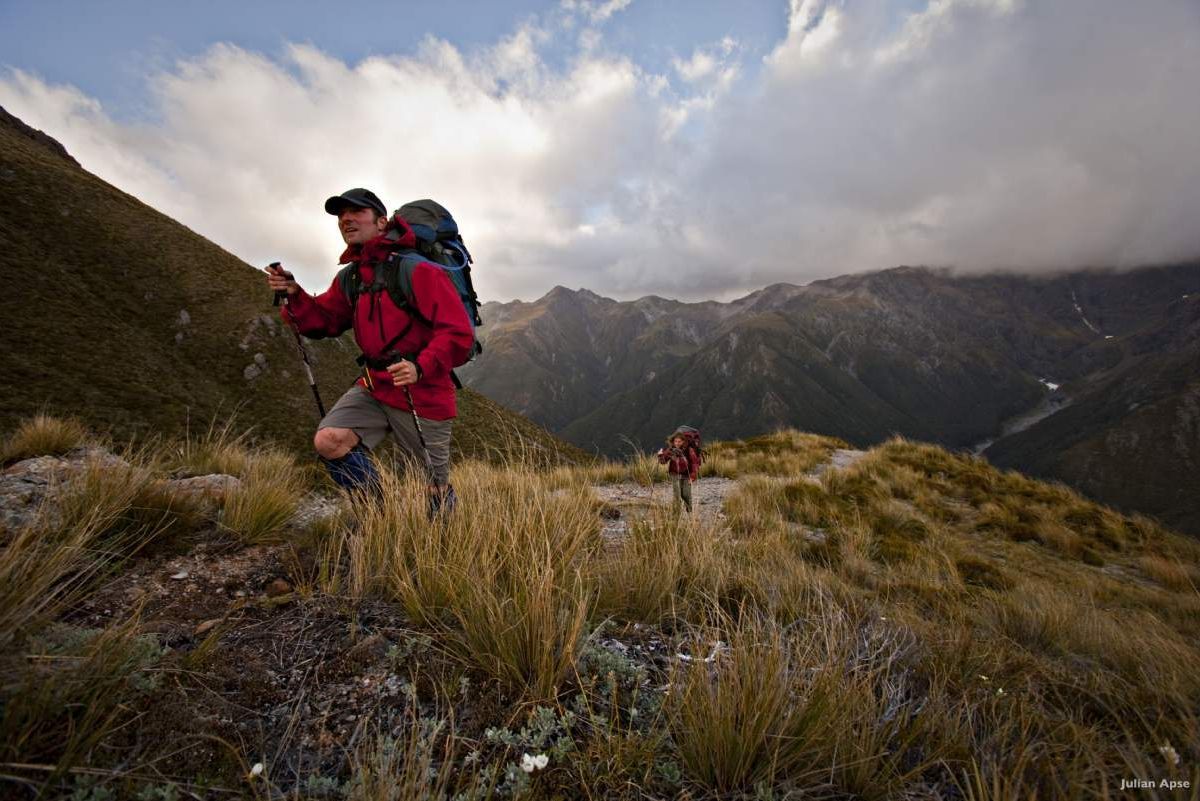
point(688, 148)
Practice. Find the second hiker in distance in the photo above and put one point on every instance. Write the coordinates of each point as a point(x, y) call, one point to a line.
point(683, 456)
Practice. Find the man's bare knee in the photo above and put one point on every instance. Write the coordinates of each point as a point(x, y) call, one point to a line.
point(334, 443)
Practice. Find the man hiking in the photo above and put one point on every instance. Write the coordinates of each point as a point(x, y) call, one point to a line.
point(683, 465)
point(408, 349)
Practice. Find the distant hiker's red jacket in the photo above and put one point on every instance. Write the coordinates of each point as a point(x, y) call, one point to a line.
point(680, 461)
point(376, 319)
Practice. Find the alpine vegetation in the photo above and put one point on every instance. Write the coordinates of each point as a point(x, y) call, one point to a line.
point(823, 622)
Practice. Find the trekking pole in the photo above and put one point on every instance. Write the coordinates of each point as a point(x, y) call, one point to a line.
point(420, 435)
point(282, 295)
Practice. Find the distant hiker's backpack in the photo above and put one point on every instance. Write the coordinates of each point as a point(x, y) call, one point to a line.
point(691, 438)
point(438, 242)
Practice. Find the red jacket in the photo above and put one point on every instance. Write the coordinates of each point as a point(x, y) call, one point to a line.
point(680, 462)
point(438, 347)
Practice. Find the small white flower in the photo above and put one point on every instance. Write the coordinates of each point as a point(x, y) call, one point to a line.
point(531, 763)
point(1170, 754)
point(999, 691)
point(257, 770)
point(985, 678)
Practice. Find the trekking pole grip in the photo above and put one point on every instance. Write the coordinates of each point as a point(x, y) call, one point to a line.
point(279, 295)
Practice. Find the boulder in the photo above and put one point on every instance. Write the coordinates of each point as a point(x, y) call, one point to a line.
point(29, 486)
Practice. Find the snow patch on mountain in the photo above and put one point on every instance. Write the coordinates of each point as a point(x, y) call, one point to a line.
point(1083, 317)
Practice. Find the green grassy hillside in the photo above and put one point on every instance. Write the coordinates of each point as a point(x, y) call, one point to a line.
point(122, 317)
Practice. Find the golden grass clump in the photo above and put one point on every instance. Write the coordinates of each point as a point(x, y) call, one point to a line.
point(259, 508)
point(1169, 572)
point(784, 453)
point(977, 572)
point(739, 717)
point(502, 577)
point(43, 435)
point(822, 703)
point(668, 564)
point(219, 450)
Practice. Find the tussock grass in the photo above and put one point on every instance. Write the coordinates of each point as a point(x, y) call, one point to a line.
point(669, 564)
point(136, 503)
point(784, 453)
point(741, 721)
point(916, 625)
point(1042, 674)
point(103, 514)
point(1051, 623)
point(640, 468)
point(39, 577)
point(786, 589)
point(823, 705)
point(978, 572)
point(263, 504)
point(1169, 572)
point(43, 435)
point(220, 449)
point(502, 578)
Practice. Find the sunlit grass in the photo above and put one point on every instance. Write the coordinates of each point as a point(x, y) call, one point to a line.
point(669, 564)
point(43, 435)
point(502, 577)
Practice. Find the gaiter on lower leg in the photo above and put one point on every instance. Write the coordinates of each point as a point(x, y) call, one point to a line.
point(354, 472)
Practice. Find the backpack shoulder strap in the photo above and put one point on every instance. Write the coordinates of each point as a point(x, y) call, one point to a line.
point(400, 266)
point(350, 282)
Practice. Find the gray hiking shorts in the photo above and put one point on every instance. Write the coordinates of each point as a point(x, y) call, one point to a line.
point(372, 420)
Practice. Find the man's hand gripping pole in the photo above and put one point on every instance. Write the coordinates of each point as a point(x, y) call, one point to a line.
point(282, 296)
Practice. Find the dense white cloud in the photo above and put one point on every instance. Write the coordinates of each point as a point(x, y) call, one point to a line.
point(976, 133)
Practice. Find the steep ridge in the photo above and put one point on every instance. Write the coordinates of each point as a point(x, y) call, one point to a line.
point(119, 315)
point(1132, 433)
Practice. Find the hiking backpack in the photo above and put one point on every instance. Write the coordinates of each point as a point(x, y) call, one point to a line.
point(691, 439)
point(438, 243)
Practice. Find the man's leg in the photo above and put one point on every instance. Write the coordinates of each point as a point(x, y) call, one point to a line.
point(437, 442)
point(685, 491)
point(355, 424)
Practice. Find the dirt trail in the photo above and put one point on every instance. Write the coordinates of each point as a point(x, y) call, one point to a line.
point(838, 460)
point(630, 501)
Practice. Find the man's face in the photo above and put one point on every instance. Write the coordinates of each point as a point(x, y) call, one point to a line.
point(359, 225)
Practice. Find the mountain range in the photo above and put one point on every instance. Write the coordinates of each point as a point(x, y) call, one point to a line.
point(1090, 377)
